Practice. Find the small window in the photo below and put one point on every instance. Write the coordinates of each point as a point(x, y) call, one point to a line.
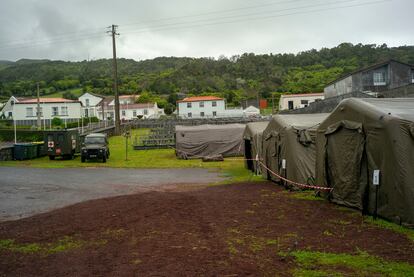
point(304, 102)
point(202, 114)
point(189, 115)
point(145, 111)
point(189, 105)
point(55, 111)
point(201, 104)
point(29, 112)
point(49, 137)
point(214, 113)
point(60, 138)
point(10, 114)
point(64, 110)
point(412, 76)
point(134, 113)
point(123, 113)
point(379, 79)
point(87, 102)
point(214, 104)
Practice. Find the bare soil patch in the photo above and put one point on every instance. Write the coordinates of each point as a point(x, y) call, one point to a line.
point(229, 230)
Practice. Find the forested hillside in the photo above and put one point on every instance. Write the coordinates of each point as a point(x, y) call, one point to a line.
point(236, 77)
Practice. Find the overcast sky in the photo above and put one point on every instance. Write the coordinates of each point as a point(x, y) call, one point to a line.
point(75, 29)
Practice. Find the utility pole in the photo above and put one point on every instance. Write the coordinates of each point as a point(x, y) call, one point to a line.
point(39, 121)
point(115, 69)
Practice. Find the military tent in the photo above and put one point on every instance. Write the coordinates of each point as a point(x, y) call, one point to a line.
point(194, 142)
point(253, 144)
point(360, 137)
point(289, 141)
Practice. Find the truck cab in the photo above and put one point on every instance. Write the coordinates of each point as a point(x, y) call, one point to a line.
point(95, 146)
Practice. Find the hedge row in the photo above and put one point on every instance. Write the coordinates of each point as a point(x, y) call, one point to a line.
point(22, 135)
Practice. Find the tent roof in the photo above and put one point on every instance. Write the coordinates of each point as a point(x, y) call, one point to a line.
point(399, 107)
point(255, 128)
point(300, 121)
point(180, 128)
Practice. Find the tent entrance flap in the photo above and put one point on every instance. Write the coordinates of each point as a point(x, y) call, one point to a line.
point(248, 154)
point(344, 163)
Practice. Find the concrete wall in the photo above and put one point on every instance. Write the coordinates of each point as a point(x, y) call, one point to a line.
point(327, 105)
point(297, 100)
point(401, 92)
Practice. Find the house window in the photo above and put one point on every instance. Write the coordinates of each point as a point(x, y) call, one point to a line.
point(379, 79)
point(214, 104)
point(64, 110)
point(304, 102)
point(189, 115)
point(202, 114)
point(29, 112)
point(290, 105)
point(201, 104)
point(145, 111)
point(87, 102)
point(214, 113)
point(189, 105)
point(412, 76)
point(123, 113)
point(10, 114)
point(134, 113)
point(55, 111)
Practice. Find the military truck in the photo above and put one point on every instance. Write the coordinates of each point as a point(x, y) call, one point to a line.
point(62, 143)
point(95, 146)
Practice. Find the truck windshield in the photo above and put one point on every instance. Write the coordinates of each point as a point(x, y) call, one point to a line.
point(94, 140)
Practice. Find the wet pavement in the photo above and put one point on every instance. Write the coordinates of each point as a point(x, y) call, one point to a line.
point(28, 191)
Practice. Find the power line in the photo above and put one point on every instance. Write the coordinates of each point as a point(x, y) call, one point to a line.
point(256, 18)
point(211, 22)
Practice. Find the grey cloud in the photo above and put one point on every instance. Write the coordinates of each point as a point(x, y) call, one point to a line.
point(67, 24)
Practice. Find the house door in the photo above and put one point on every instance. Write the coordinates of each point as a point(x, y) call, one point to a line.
point(344, 166)
point(290, 105)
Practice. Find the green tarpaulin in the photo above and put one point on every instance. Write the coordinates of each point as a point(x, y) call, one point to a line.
point(362, 136)
point(193, 142)
point(253, 144)
point(290, 140)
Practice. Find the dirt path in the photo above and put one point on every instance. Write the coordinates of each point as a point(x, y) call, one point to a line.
point(231, 230)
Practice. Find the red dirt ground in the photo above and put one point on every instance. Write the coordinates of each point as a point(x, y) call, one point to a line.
point(229, 230)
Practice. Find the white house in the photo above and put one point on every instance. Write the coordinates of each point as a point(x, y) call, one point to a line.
point(132, 111)
point(90, 103)
point(297, 101)
point(24, 110)
point(210, 106)
point(125, 100)
point(201, 106)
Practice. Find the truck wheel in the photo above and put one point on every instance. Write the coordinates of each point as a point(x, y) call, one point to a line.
point(104, 159)
point(83, 159)
point(51, 158)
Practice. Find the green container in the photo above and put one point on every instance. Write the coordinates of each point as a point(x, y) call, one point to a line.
point(25, 151)
point(41, 149)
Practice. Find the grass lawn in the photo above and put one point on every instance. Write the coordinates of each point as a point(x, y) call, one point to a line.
point(157, 158)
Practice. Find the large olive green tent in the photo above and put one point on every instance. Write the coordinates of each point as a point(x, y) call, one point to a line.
point(289, 141)
point(253, 144)
point(360, 137)
point(194, 142)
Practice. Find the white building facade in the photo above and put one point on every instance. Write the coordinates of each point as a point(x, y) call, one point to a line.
point(201, 106)
point(90, 103)
point(25, 110)
point(132, 111)
point(297, 101)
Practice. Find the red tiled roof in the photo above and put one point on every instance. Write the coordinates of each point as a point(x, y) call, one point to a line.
point(46, 100)
point(303, 94)
point(200, 98)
